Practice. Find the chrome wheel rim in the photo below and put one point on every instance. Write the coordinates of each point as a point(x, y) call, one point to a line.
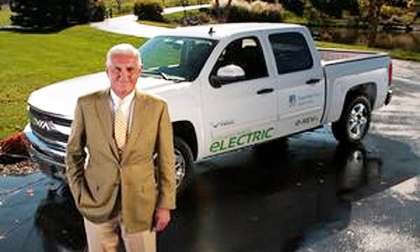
point(358, 120)
point(180, 167)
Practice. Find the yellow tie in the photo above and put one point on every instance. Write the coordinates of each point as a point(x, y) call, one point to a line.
point(120, 127)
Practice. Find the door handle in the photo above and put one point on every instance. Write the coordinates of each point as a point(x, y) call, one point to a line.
point(265, 91)
point(312, 81)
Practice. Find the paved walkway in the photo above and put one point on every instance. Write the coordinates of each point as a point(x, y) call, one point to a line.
point(128, 24)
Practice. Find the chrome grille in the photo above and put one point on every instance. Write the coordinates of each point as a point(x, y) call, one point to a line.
point(49, 127)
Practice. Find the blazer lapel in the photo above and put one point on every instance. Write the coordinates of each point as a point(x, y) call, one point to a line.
point(137, 128)
point(105, 115)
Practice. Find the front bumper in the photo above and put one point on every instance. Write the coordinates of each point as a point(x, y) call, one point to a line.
point(50, 161)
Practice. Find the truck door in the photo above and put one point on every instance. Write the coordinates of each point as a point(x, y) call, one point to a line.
point(298, 81)
point(240, 111)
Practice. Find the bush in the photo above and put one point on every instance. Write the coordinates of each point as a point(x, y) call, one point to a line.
point(295, 6)
point(335, 7)
point(257, 11)
point(331, 8)
point(38, 14)
point(50, 14)
point(97, 11)
point(148, 10)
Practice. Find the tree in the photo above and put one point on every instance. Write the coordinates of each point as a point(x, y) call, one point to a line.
point(371, 10)
point(119, 5)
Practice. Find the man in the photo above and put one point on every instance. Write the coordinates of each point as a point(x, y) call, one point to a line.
point(110, 167)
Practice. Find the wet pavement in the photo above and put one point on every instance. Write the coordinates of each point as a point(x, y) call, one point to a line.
point(306, 193)
point(275, 198)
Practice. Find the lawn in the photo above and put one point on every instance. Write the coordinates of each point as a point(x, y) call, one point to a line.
point(5, 15)
point(174, 17)
point(31, 61)
point(159, 24)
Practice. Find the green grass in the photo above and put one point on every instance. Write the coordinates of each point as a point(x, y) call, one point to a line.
point(31, 61)
point(171, 3)
point(5, 14)
point(173, 17)
point(394, 53)
point(154, 23)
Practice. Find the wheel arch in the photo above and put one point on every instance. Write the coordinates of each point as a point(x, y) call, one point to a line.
point(368, 90)
point(186, 131)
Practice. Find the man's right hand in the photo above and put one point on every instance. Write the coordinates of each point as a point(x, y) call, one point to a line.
point(162, 219)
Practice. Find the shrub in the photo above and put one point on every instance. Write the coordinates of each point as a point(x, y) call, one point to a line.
point(257, 11)
point(335, 8)
point(295, 6)
point(50, 14)
point(97, 11)
point(148, 10)
point(38, 14)
point(330, 7)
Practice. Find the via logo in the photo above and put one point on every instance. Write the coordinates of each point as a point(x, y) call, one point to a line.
point(292, 100)
point(43, 124)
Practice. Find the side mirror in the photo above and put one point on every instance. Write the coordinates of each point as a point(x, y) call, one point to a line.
point(227, 74)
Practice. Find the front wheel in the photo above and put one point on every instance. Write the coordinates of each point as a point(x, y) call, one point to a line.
point(184, 164)
point(354, 121)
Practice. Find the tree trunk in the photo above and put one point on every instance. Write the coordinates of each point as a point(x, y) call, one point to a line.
point(374, 15)
point(229, 3)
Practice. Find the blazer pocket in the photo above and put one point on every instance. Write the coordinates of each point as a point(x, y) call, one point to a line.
point(149, 193)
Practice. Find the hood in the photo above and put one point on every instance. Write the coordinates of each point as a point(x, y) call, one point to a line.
point(61, 97)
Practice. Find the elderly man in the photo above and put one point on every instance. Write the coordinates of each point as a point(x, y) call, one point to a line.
point(110, 167)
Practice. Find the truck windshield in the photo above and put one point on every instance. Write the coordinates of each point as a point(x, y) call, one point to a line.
point(175, 58)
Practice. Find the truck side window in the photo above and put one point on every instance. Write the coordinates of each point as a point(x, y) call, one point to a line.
point(291, 52)
point(245, 53)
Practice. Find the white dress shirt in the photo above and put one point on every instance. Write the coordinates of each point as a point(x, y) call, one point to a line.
point(127, 106)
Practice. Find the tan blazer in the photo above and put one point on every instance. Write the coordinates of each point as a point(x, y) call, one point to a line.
point(127, 182)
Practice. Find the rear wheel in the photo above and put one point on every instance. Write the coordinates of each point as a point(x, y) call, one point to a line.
point(354, 121)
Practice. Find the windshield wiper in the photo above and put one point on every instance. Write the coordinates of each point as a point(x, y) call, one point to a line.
point(165, 76)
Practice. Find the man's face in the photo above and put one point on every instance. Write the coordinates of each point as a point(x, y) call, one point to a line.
point(123, 73)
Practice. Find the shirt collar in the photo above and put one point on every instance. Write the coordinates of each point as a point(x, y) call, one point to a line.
point(116, 99)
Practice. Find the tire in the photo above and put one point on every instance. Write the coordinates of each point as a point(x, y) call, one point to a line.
point(354, 122)
point(184, 165)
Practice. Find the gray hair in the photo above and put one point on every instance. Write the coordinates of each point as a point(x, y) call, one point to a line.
point(125, 49)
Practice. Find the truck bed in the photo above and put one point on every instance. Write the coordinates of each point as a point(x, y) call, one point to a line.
point(344, 69)
point(332, 56)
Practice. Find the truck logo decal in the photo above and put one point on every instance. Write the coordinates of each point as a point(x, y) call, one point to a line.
point(302, 100)
point(42, 124)
point(306, 120)
point(222, 124)
point(241, 140)
point(292, 100)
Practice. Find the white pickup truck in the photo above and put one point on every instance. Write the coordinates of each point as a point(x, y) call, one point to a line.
point(230, 86)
